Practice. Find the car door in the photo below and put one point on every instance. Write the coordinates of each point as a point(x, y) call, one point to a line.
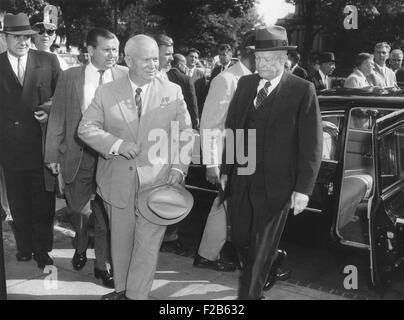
point(386, 212)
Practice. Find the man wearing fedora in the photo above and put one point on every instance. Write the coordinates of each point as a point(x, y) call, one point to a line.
point(320, 78)
point(288, 143)
point(27, 83)
point(130, 122)
point(74, 92)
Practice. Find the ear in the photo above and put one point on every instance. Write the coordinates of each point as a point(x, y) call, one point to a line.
point(90, 50)
point(128, 61)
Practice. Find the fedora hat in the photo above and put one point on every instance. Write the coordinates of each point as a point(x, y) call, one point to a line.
point(327, 57)
point(271, 39)
point(165, 204)
point(17, 24)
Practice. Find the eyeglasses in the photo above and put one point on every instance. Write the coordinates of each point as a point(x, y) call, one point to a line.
point(41, 31)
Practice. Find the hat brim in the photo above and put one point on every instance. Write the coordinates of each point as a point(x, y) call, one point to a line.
point(21, 33)
point(277, 48)
point(149, 215)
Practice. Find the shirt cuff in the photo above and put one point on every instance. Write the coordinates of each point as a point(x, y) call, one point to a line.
point(115, 147)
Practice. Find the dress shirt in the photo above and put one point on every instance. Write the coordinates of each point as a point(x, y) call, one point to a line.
point(14, 62)
point(324, 78)
point(144, 95)
point(274, 83)
point(91, 79)
point(190, 71)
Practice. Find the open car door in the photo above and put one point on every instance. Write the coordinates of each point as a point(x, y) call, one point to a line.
point(386, 209)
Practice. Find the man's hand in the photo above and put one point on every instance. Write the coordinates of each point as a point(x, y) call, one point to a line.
point(174, 177)
point(299, 202)
point(213, 175)
point(223, 181)
point(41, 116)
point(54, 167)
point(128, 149)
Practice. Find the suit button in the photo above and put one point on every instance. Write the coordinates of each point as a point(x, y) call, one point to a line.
point(131, 168)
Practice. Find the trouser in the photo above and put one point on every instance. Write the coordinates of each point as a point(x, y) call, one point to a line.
point(32, 209)
point(215, 232)
point(256, 233)
point(135, 245)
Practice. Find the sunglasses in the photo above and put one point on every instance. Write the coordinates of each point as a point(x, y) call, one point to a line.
point(41, 31)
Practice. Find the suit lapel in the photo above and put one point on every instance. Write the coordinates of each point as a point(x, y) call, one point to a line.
point(249, 95)
point(278, 104)
point(126, 103)
point(80, 87)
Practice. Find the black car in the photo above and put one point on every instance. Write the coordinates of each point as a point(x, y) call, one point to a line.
point(358, 200)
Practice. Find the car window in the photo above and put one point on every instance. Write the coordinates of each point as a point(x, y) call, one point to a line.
point(331, 131)
point(391, 150)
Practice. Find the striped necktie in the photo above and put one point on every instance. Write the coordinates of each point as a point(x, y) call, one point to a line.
point(138, 101)
point(262, 94)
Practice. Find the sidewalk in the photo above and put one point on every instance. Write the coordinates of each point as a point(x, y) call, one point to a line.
point(175, 279)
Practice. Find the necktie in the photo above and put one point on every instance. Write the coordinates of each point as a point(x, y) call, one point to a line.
point(262, 94)
point(101, 81)
point(20, 70)
point(138, 101)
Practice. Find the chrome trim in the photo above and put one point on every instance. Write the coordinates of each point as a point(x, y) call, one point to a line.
point(355, 244)
point(313, 210)
point(201, 189)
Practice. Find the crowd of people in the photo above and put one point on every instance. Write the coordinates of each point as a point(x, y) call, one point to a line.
point(86, 132)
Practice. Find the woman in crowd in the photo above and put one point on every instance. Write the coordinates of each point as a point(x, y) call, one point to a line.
point(363, 69)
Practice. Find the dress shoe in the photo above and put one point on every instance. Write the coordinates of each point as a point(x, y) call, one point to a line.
point(218, 265)
point(42, 260)
point(114, 296)
point(23, 256)
point(106, 277)
point(79, 260)
point(174, 247)
point(275, 271)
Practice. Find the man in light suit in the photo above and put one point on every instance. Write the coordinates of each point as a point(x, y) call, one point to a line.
point(74, 92)
point(288, 150)
point(27, 83)
point(120, 125)
point(214, 115)
point(382, 76)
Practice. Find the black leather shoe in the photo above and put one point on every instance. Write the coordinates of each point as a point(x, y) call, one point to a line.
point(218, 265)
point(42, 260)
point(23, 256)
point(114, 296)
point(275, 271)
point(106, 277)
point(174, 247)
point(79, 260)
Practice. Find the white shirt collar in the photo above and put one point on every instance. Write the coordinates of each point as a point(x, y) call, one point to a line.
point(274, 82)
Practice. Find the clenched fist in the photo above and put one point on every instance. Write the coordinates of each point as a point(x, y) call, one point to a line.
point(129, 150)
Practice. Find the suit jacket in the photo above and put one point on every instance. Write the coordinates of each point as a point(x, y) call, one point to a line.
point(356, 80)
point(215, 110)
point(20, 133)
point(400, 77)
point(300, 72)
point(293, 138)
point(378, 79)
point(112, 115)
point(317, 80)
point(188, 90)
point(201, 88)
point(62, 143)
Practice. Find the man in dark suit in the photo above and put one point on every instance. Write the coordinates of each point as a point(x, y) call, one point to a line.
point(285, 131)
point(225, 55)
point(320, 78)
point(74, 92)
point(27, 83)
point(177, 75)
point(297, 70)
point(198, 77)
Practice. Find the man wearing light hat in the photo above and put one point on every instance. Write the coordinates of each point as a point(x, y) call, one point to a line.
point(320, 78)
point(27, 83)
point(283, 112)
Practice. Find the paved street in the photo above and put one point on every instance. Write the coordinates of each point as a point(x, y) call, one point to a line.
point(176, 278)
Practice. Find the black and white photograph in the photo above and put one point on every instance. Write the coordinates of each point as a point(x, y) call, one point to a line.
point(200, 154)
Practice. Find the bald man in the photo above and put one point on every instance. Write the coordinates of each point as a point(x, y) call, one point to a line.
point(117, 125)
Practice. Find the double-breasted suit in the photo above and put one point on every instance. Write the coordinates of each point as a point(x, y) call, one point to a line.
point(21, 149)
point(288, 143)
point(77, 161)
point(112, 116)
